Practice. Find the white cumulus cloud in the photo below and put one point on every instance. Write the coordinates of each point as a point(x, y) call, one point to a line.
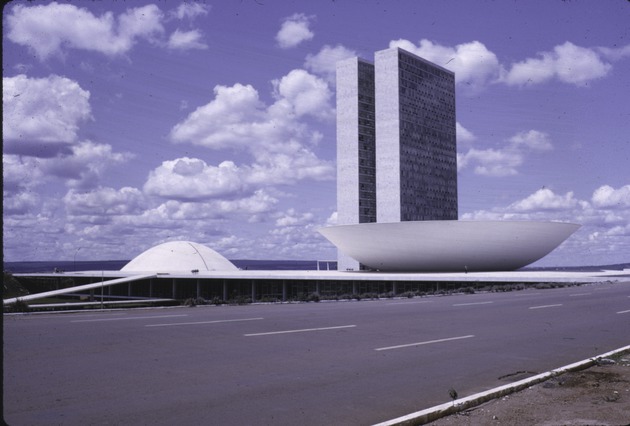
point(472, 63)
point(192, 179)
point(567, 63)
point(305, 93)
point(533, 139)
point(294, 30)
point(48, 29)
point(235, 118)
point(491, 162)
point(190, 10)
point(278, 139)
point(475, 66)
point(20, 203)
point(83, 168)
point(325, 61)
point(39, 114)
point(506, 160)
point(463, 134)
point(104, 201)
point(545, 199)
point(615, 54)
point(607, 196)
point(293, 218)
point(186, 40)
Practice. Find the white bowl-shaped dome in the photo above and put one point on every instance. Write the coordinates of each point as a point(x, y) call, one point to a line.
point(449, 245)
point(179, 256)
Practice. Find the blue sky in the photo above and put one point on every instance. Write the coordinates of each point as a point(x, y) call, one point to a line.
point(129, 124)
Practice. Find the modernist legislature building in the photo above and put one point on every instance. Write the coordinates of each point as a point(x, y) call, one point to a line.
point(396, 145)
point(396, 206)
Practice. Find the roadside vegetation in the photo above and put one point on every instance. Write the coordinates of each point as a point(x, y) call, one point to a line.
point(11, 288)
point(314, 297)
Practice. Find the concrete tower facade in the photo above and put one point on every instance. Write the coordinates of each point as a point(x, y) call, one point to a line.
point(356, 149)
point(396, 147)
point(416, 157)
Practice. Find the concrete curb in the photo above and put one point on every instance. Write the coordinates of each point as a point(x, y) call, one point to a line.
point(439, 411)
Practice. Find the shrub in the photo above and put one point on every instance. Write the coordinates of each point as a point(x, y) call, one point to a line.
point(240, 300)
point(313, 297)
point(18, 306)
point(216, 300)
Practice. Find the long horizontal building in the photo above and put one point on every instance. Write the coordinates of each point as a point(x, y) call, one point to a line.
point(201, 273)
point(276, 286)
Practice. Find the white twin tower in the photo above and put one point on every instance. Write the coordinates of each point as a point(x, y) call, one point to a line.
point(397, 177)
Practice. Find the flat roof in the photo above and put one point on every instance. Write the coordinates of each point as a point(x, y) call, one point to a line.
point(511, 276)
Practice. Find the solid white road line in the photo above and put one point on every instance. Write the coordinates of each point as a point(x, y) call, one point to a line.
point(623, 312)
point(203, 322)
point(580, 294)
point(428, 342)
point(545, 306)
point(130, 318)
point(299, 331)
point(472, 303)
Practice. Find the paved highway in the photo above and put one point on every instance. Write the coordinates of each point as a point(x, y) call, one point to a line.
point(318, 363)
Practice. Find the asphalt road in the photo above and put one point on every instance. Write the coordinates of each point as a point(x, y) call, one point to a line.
point(309, 364)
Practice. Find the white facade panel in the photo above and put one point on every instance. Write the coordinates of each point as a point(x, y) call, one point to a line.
point(347, 137)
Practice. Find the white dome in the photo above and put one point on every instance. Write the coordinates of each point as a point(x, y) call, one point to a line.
point(179, 256)
point(448, 245)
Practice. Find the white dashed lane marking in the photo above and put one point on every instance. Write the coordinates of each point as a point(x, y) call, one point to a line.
point(203, 322)
point(472, 303)
point(545, 306)
point(428, 342)
point(303, 330)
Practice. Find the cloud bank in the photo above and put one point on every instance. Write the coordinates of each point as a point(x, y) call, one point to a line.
point(475, 66)
point(504, 161)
